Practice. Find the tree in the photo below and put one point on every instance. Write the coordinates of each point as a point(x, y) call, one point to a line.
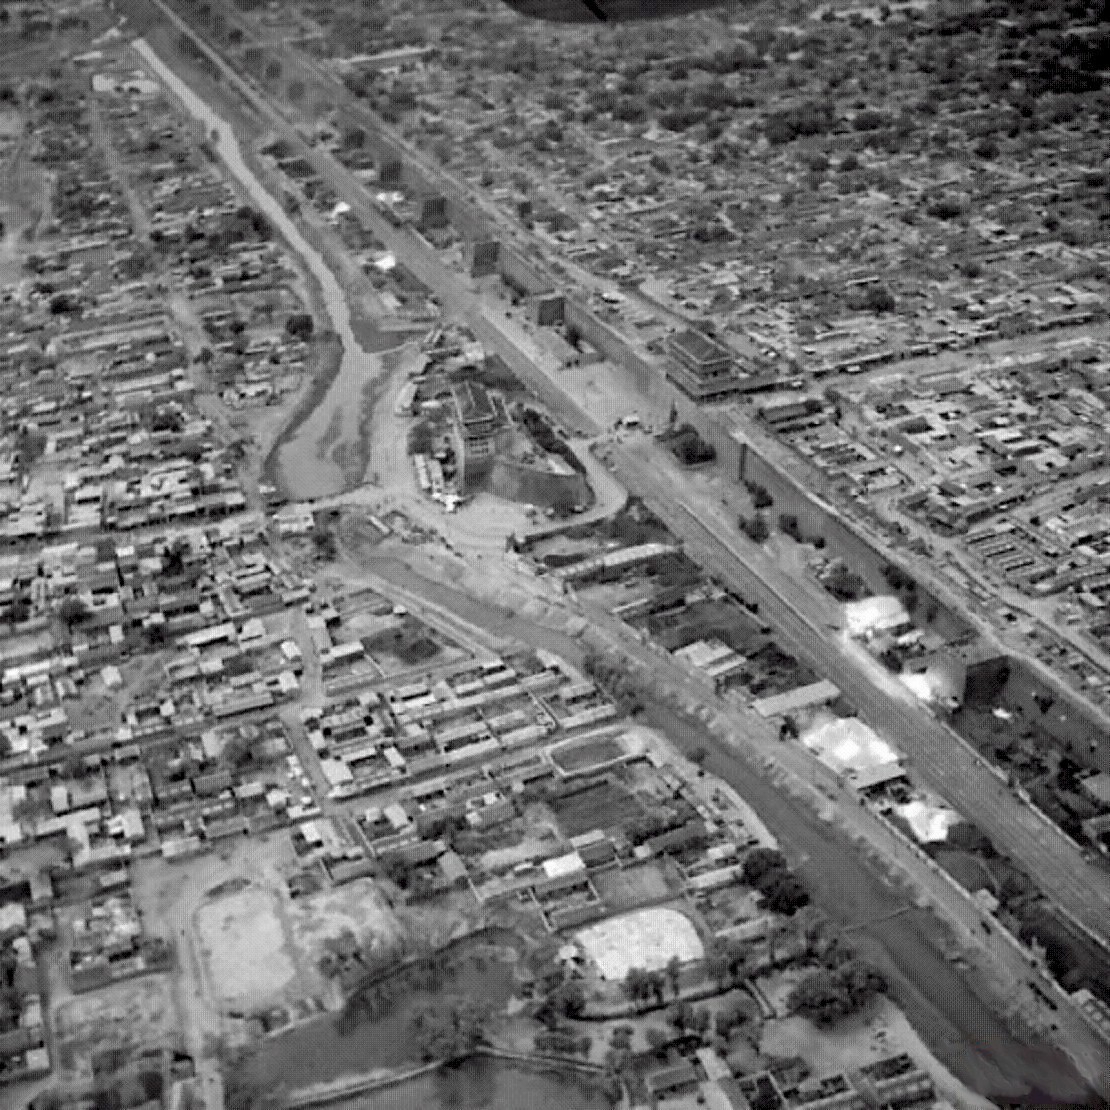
point(731, 1017)
point(674, 973)
point(760, 862)
point(449, 1029)
point(862, 981)
point(687, 445)
point(635, 983)
point(323, 538)
point(788, 523)
point(63, 303)
point(72, 611)
point(237, 751)
point(786, 894)
point(970, 838)
point(569, 999)
point(718, 969)
point(300, 326)
point(821, 997)
point(827, 996)
point(845, 584)
point(19, 609)
point(680, 1015)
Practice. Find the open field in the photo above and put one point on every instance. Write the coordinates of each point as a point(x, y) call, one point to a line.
point(647, 939)
point(600, 805)
point(624, 887)
point(593, 752)
point(243, 943)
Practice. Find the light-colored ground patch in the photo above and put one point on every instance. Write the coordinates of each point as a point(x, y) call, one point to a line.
point(243, 944)
point(527, 848)
point(647, 939)
point(358, 908)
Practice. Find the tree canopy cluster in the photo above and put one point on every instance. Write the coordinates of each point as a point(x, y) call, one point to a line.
point(687, 445)
point(827, 996)
point(766, 870)
point(450, 1028)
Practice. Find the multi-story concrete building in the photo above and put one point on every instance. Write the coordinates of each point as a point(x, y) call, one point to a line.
point(701, 367)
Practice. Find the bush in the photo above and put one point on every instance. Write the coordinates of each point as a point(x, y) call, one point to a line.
point(761, 496)
point(788, 523)
point(845, 584)
point(756, 529)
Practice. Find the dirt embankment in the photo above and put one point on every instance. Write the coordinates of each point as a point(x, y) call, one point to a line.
point(531, 486)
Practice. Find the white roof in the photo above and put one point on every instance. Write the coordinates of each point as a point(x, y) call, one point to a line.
point(253, 629)
point(563, 865)
point(336, 772)
point(873, 614)
point(847, 744)
point(929, 823)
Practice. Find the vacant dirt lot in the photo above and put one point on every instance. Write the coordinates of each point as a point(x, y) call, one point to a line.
point(243, 943)
point(646, 939)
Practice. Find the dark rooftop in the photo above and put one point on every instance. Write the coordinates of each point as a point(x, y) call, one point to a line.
point(473, 403)
point(699, 347)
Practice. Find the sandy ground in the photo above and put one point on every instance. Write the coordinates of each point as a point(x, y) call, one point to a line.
point(882, 1032)
point(357, 908)
point(646, 938)
point(308, 461)
point(388, 464)
point(243, 943)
